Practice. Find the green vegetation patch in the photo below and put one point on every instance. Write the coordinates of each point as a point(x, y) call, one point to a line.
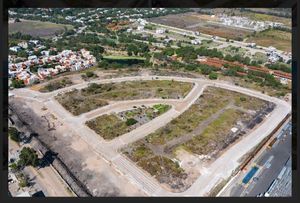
point(108, 126)
point(14, 134)
point(57, 84)
point(113, 125)
point(161, 108)
point(162, 168)
point(212, 100)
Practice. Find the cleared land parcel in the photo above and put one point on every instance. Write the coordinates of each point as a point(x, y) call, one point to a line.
point(97, 95)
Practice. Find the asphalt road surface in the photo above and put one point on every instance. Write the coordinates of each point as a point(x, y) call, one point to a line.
point(277, 156)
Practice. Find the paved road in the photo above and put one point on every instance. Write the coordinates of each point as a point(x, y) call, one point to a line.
point(221, 168)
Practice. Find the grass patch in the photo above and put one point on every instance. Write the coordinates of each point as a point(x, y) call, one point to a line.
point(96, 95)
point(108, 126)
point(162, 168)
point(37, 28)
point(57, 84)
point(214, 134)
point(279, 39)
point(161, 108)
point(212, 100)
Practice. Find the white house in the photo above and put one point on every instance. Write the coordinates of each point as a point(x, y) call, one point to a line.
point(15, 48)
point(160, 31)
point(24, 45)
point(35, 42)
point(140, 28)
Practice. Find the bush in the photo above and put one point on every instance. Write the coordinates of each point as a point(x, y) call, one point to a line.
point(243, 99)
point(28, 156)
point(213, 76)
point(131, 121)
point(89, 74)
point(14, 134)
point(17, 83)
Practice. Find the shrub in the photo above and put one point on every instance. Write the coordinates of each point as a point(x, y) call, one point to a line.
point(213, 76)
point(14, 134)
point(28, 157)
point(89, 74)
point(131, 121)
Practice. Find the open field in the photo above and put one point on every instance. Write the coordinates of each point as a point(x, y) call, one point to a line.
point(201, 23)
point(163, 169)
point(281, 40)
point(114, 125)
point(37, 28)
point(77, 103)
point(207, 105)
point(97, 95)
point(265, 17)
point(214, 134)
point(204, 129)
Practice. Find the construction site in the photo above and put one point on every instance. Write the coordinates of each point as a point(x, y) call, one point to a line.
point(165, 139)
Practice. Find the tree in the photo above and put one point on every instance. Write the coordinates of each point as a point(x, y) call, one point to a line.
point(28, 156)
point(14, 134)
point(206, 70)
point(17, 83)
point(213, 76)
point(22, 53)
point(52, 52)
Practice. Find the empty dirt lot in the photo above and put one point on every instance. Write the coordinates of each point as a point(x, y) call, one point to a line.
point(87, 166)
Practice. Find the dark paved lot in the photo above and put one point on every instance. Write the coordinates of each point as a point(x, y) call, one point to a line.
point(281, 152)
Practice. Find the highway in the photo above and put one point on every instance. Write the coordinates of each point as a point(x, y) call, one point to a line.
point(219, 169)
